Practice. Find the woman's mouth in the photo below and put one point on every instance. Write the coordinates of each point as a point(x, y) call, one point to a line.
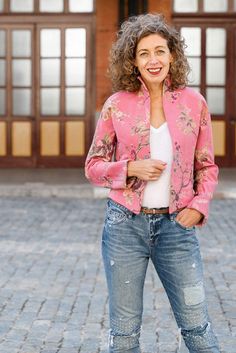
point(154, 71)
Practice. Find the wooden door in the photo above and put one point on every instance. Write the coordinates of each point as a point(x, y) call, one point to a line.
point(46, 91)
point(63, 103)
point(211, 54)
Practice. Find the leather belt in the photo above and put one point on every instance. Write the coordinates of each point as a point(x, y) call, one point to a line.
point(147, 210)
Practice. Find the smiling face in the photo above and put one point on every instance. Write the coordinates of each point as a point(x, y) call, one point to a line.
point(153, 59)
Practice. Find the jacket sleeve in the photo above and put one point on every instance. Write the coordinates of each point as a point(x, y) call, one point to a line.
point(100, 168)
point(205, 169)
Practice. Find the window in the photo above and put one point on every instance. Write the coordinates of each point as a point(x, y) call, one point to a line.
point(81, 5)
point(186, 5)
point(46, 6)
point(21, 5)
point(51, 6)
point(215, 6)
point(204, 6)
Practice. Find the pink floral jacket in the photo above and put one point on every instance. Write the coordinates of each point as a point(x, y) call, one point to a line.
point(122, 135)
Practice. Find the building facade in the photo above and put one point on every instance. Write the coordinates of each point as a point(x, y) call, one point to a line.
point(53, 63)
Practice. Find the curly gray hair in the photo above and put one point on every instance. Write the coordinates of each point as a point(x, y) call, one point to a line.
point(122, 55)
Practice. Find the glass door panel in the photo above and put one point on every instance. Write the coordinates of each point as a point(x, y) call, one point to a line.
point(2, 101)
point(21, 72)
point(50, 43)
point(50, 72)
point(75, 101)
point(21, 43)
point(2, 43)
point(215, 42)
point(192, 37)
point(75, 72)
point(75, 42)
point(215, 71)
point(216, 100)
point(50, 101)
point(2, 72)
point(21, 5)
point(21, 102)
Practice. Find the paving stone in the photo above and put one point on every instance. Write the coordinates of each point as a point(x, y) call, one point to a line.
point(53, 295)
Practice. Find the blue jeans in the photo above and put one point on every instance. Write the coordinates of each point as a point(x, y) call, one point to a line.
point(128, 241)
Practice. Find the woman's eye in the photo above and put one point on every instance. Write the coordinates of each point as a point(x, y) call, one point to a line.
point(143, 54)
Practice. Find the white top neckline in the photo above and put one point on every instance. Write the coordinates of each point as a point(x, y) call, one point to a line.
point(160, 128)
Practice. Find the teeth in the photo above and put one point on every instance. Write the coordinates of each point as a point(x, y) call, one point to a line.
point(154, 70)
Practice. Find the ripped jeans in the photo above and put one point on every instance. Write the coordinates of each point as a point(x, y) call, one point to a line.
point(128, 242)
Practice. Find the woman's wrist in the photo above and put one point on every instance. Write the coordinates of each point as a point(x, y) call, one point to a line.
point(131, 169)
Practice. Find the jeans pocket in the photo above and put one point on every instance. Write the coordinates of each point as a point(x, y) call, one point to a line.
point(116, 213)
point(173, 218)
point(183, 227)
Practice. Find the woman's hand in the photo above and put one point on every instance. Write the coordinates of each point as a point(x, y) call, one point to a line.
point(147, 169)
point(189, 217)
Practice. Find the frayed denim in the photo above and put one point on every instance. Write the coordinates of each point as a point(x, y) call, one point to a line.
point(128, 242)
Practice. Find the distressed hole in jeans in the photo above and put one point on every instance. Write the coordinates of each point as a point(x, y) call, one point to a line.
point(194, 295)
point(124, 339)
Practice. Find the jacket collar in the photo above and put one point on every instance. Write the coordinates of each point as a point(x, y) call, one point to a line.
point(144, 89)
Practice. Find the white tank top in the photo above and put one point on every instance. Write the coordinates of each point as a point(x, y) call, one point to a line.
point(157, 192)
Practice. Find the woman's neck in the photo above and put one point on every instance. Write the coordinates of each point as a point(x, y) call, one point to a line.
point(155, 91)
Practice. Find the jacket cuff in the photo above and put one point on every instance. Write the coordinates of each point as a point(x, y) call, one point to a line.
point(120, 176)
point(202, 205)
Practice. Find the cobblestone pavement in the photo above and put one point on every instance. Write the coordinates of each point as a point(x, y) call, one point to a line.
point(53, 295)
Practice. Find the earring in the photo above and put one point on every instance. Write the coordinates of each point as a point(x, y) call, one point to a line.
point(136, 71)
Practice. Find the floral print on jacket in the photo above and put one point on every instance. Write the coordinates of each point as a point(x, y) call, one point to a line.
point(122, 135)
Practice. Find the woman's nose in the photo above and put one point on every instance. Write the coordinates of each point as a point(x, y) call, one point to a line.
point(153, 59)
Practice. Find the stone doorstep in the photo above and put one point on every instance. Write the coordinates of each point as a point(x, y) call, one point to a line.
point(75, 191)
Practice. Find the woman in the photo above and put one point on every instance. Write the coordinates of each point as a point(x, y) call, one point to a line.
point(161, 178)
